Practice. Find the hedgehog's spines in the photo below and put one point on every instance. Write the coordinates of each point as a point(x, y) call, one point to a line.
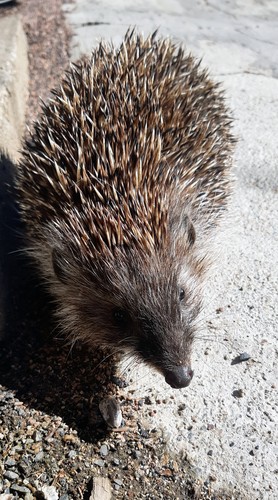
point(129, 130)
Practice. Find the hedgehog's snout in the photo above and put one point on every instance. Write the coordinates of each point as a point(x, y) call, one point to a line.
point(179, 376)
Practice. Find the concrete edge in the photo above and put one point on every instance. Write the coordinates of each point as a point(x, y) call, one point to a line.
point(13, 84)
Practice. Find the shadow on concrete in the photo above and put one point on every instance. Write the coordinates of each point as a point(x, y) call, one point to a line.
point(35, 362)
point(7, 3)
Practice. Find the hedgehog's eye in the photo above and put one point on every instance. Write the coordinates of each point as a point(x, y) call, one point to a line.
point(120, 317)
point(182, 294)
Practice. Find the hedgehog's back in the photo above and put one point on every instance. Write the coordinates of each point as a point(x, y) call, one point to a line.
point(133, 127)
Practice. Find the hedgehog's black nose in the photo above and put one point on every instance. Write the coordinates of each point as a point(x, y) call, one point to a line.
point(179, 377)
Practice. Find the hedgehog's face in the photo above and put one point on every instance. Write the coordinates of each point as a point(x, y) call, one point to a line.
point(156, 320)
point(160, 330)
point(144, 306)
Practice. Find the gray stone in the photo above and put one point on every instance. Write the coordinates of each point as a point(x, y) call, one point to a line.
point(103, 450)
point(37, 436)
point(99, 462)
point(39, 456)
point(9, 474)
point(20, 489)
point(10, 462)
point(50, 493)
point(111, 411)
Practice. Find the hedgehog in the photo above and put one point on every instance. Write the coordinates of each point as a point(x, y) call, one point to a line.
point(122, 187)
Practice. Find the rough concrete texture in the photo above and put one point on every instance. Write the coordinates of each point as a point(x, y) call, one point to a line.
point(233, 439)
point(13, 84)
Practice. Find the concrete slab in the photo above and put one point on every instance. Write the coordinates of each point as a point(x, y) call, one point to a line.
point(232, 439)
point(13, 84)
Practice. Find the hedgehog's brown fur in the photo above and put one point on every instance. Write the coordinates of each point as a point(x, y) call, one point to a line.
point(128, 165)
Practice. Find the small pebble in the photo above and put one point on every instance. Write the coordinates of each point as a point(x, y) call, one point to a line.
point(69, 438)
point(10, 462)
point(119, 482)
point(145, 433)
point(9, 474)
point(111, 412)
point(20, 489)
point(24, 468)
point(37, 436)
point(116, 461)
point(119, 382)
point(103, 450)
point(99, 462)
point(50, 493)
point(148, 400)
point(167, 472)
point(237, 393)
point(39, 456)
point(28, 496)
point(72, 454)
point(244, 356)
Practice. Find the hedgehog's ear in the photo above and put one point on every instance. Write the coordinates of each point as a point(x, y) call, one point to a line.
point(59, 265)
point(182, 229)
point(190, 230)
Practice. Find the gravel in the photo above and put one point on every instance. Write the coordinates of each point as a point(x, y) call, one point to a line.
point(54, 442)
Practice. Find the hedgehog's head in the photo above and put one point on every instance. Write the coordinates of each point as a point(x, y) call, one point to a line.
point(141, 302)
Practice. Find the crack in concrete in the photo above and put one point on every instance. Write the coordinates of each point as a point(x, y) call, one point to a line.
point(94, 23)
point(246, 72)
point(255, 38)
point(229, 14)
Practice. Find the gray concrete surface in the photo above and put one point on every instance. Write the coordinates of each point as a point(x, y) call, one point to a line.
point(232, 439)
point(13, 84)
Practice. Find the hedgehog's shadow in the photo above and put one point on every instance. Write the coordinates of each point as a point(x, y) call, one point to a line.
point(43, 371)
